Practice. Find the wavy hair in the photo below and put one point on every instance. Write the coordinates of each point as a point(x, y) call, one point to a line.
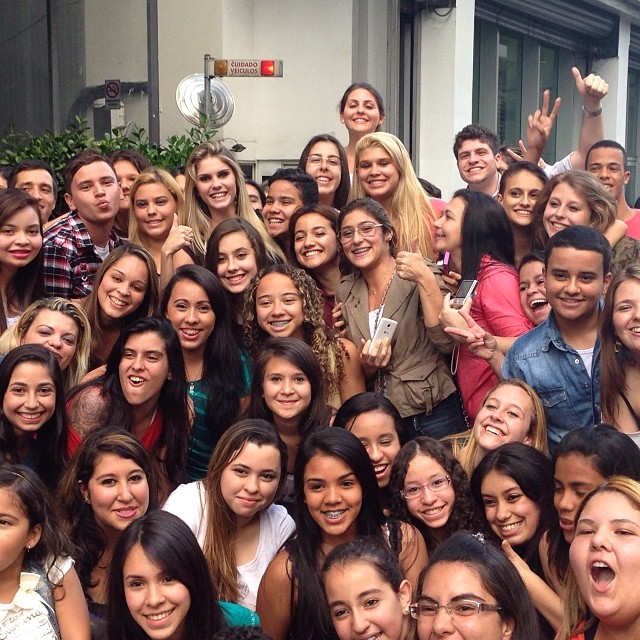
point(411, 210)
point(198, 217)
point(221, 524)
point(79, 363)
point(324, 342)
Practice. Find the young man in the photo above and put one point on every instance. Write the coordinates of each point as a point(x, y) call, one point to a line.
point(560, 357)
point(476, 149)
point(288, 190)
point(76, 244)
point(607, 160)
point(128, 165)
point(39, 181)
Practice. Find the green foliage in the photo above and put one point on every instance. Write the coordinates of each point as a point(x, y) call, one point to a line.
point(58, 148)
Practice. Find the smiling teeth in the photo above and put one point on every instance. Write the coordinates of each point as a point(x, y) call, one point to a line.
point(333, 515)
point(380, 468)
point(279, 323)
point(118, 303)
point(494, 431)
point(433, 512)
point(31, 416)
point(159, 616)
point(136, 379)
point(538, 302)
point(510, 527)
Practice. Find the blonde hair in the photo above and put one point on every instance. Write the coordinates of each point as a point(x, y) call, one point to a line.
point(154, 175)
point(197, 214)
point(577, 616)
point(79, 364)
point(411, 211)
point(465, 446)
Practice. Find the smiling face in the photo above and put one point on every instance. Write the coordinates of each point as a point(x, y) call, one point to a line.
point(118, 493)
point(279, 309)
point(377, 174)
point(520, 196)
point(154, 207)
point(377, 432)
point(20, 239)
point(605, 558)
point(451, 581)
point(286, 391)
point(39, 184)
point(55, 330)
point(236, 262)
point(505, 416)
point(324, 164)
point(123, 288)
point(510, 513)
point(361, 114)
point(448, 235)
point(574, 476)
point(158, 603)
point(333, 497)
point(315, 242)
point(282, 201)
point(565, 208)
point(533, 294)
point(365, 252)
point(626, 314)
point(248, 484)
point(478, 165)
point(30, 399)
point(432, 508)
point(607, 164)
point(216, 186)
point(364, 605)
point(143, 369)
point(191, 315)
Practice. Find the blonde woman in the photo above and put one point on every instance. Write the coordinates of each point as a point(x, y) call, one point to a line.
point(61, 326)
point(384, 173)
point(215, 191)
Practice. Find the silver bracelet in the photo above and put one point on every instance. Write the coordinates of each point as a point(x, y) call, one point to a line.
point(592, 114)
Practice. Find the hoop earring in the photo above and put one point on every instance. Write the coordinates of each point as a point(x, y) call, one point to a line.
point(616, 346)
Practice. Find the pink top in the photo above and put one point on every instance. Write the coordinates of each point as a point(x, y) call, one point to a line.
point(496, 308)
point(634, 225)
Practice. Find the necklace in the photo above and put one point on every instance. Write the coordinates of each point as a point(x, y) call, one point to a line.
point(384, 297)
point(374, 292)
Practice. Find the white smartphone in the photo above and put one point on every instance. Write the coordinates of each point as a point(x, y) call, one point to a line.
point(464, 292)
point(386, 329)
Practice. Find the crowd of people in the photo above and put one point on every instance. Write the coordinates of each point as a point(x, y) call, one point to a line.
point(234, 410)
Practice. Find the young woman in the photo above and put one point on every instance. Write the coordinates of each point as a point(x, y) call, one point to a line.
point(385, 174)
point(231, 511)
point(33, 426)
point(579, 198)
point(337, 501)
point(584, 458)
point(325, 159)
point(61, 326)
point(256, 193)
point(214, 192)
point(519, 189)
point(142, 391)
point(125, 289)
point(510, 412)
point(602, 600)
point(283, 301)
point(366, 592)
point(288, 392)
point(109, 483)
point(39, 588)
point(430, 489)
point(533, 293)
point(374, 420)
point(620, 353)
point(156, 221)
point(235, 253)
point(475, 230)
point(514, 486)
point(159, 586)
point(361, 112)
point(483, 595)
point(197, 307)
point(410, 370)
point(128, 164)
point(21, 271)
point(314, 247)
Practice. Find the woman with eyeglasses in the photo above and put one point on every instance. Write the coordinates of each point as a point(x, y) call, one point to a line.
point(479, 592)
point(409, 368)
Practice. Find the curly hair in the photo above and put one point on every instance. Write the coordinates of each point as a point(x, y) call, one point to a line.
point(324, 342)
point(463, 515)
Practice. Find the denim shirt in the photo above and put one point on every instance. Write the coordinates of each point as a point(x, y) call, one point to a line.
point(571, 398)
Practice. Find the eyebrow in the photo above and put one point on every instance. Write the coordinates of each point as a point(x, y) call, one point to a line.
point(113, 475)
point(461, 596)
point(239, 465)
point(344, 477)
point(363, 594)
point(614, 521)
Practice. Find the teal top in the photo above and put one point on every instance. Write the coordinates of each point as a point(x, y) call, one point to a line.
point(238, 616)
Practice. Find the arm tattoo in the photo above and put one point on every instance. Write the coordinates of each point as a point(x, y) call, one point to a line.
point(87, 412)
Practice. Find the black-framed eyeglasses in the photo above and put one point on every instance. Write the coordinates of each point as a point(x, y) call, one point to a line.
point(365, 229)
point(458, 608)
point(435, 485)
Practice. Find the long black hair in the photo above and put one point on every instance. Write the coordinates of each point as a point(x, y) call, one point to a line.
point(52, 436)
point(170, 545)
